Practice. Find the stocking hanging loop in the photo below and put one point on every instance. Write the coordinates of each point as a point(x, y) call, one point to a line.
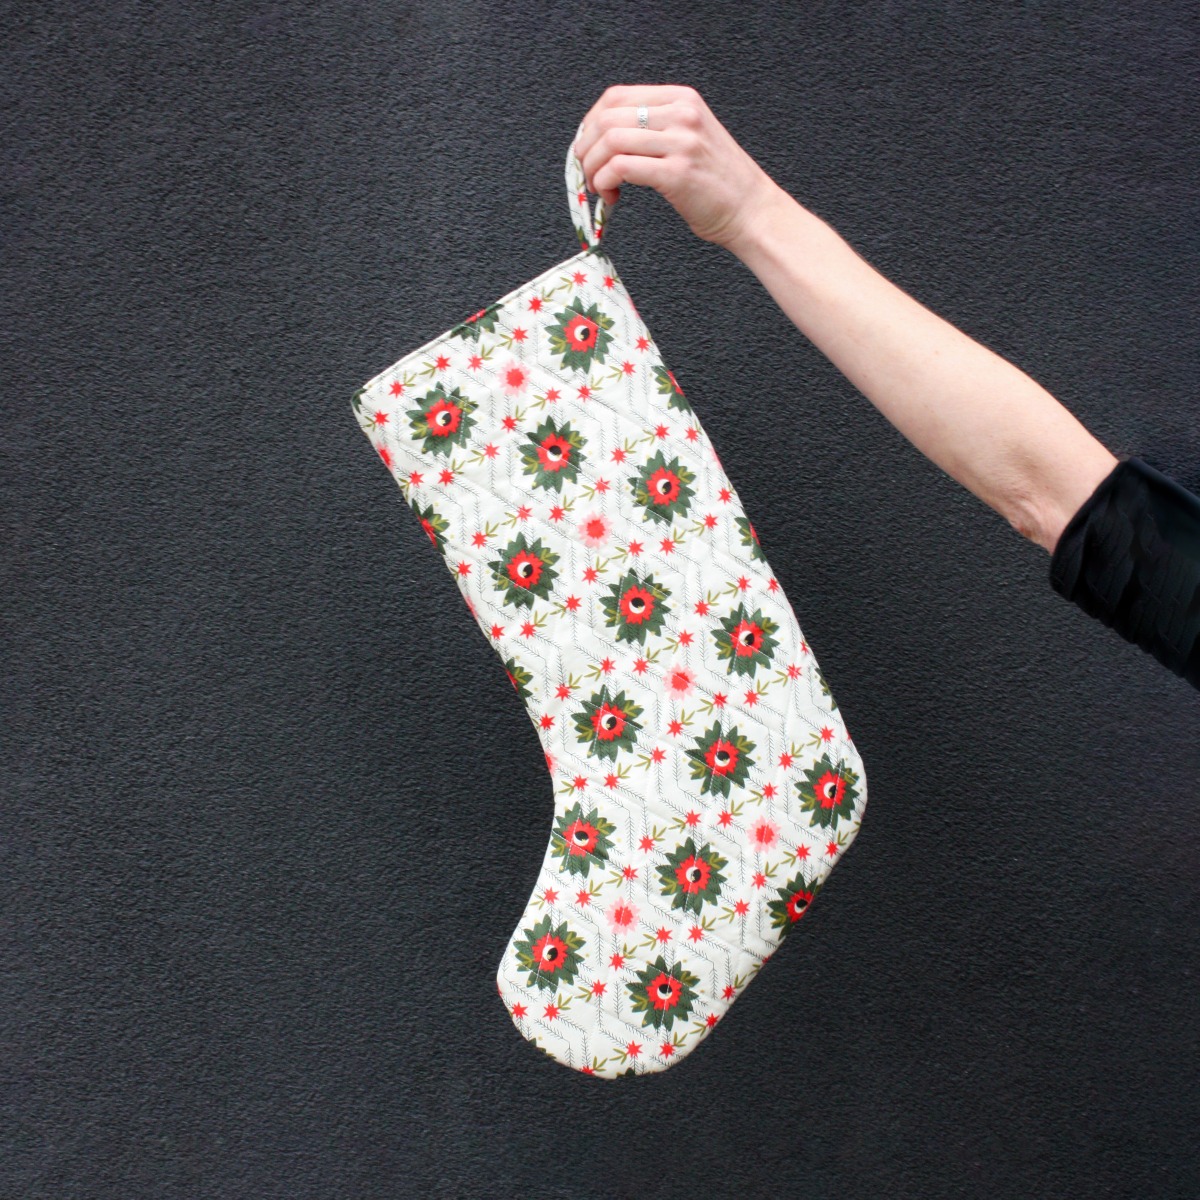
point(589, 230)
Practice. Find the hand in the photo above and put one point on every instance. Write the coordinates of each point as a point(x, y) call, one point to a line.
point(685, 154)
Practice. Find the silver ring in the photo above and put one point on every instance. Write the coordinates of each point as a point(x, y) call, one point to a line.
point(643, 116)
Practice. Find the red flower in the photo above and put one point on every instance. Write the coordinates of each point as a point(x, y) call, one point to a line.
point(746, 638)
point(554, 453)
point(549, 953)
point(830, 789)
point(637, 605)
point(663, 486)
point(442, 418)
point(608, 722)
point(580, 838)
point(525, 569)
point(722, 757)
point(427, 525)
point(581, 332)
point(797, 903)
point(664, 992)
point(693, 874)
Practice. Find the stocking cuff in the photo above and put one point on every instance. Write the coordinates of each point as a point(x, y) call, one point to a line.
point(1130, 557)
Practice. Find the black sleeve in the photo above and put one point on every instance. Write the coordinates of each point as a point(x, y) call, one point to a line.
point(1130, 557)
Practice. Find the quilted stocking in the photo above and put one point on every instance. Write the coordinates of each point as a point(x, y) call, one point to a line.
point(704, 780)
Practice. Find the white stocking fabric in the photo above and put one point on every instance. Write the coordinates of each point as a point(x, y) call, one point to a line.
point(704, 780)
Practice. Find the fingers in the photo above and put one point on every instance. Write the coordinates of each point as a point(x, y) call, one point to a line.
point(631, 168)
point(607, 112)
point(621, 139)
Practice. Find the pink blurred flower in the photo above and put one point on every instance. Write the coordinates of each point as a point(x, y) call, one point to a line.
point(595, 529)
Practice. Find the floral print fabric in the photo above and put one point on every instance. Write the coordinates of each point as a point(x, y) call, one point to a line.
point(705, 783)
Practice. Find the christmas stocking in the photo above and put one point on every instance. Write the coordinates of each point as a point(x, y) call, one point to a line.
point(704, 780)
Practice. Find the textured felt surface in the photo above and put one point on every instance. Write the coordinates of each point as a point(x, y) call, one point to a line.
point(249, 721)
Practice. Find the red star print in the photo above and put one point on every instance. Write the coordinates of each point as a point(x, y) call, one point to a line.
point(760, 880)
point(661, 431)
point(627, 367)
point(381, 418)
point(642, 343)
point(415, 478)
point(685, 638)
point(552, 395)
point(611, 781)
point(588, 1070)
point(583, 899)
point(751, 699)
point(710, 1020)
point(564, 691)
point(617, 961)
point(640, 665)
point(551, 1012)
point(557, 513)
point(710, 521)
point(523, 513)
point(491, 450)
point(719, 700)
point(695, 933)
point(518, 1010)
point(793, 671)
point(497, 631)
point(581, 197)
point(584, 391)
point(608, 281)
point(635, 548)
point(693, 433)
point(630, 872)
point(657, 755)
point(528, 629)
point(768, 790)
point(518, 335)
point(772, 584)
point(580, 277)
point(589, 574)
point(647, 843)
point(464, 568)
point(803, 647)
point(826, 733)
point(832, 849)
point(476, 362)
point(479, 539)
point(725, 818)
point(535, 304)
point(547, 721)
point(701, 608)
point(386, 455)
point(598, 988)
point(447, 476)
point(618, 455)
point(607, 665)
point(397, 389)
point(602, 485)
point(667, 1050)
point(663, 935)
point(743, 583)
point(510, 423)
point(667, 545)
point(442, 362)
point(693, 818)
point(785, 760)
point(550, 895)
point(579, 783)
point(727, 994)
point(801, 851)
point(741, 908)
point(572, 603)
point(725, 495)
point(633, 1049)
point(675, 728)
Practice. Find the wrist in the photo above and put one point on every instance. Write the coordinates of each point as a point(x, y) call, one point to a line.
point(759, 220)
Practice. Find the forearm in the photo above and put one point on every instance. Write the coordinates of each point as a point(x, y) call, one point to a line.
point(978, 417)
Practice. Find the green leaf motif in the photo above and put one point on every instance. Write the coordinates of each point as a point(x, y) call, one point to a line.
point(443, 420)
point(636, 606)
point(552, 455)
point(745, 640)
point(524, 571)
point(721, 759)
point(663, 994)
point(434, 524)
point(579, 336)
point(581, 839)
point(519, 678)
point(791, 902)
point(663, 488)
point(484, 321)
point(608, 723)
point(829, 791)
point(750, 538)
point(691, 876)
point(551, 954)
point(669, 386)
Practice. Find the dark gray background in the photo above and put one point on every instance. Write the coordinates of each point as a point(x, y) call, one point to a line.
point(271, 809)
